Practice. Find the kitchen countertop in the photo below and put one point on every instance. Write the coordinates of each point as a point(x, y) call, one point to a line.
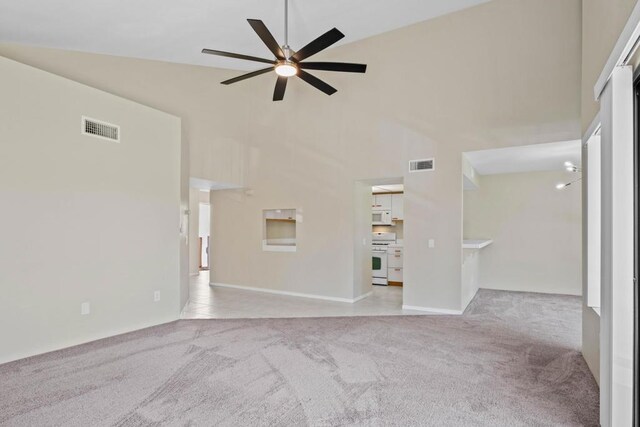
point(476, 243)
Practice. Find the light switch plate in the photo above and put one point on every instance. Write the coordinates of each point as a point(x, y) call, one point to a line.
point(85, 308)
point(156, 296)
point(432, 243)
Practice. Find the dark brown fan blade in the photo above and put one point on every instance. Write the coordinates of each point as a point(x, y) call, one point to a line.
point(316, 82)
point(321, 43)
point(246, 76)
point(334, 66)
point(281, 85)
point(238, 56)
point(266, 36)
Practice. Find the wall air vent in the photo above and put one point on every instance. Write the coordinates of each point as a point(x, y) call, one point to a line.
point(100, 129)
point(421, 165)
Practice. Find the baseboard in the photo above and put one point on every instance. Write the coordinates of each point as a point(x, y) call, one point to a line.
point(184, 308)
point(75, 342)
point(532, 291)
point(290, 294)
point(432, 310)
point(470, 299)
point(363, 296)
point(194, 274)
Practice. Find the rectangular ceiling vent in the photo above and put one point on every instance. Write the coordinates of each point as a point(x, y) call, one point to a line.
point(421, 165)
point(100, 129)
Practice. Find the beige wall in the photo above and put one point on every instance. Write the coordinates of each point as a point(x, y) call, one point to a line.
point(602, 23)
point(372, 128)
point(460, 87)
point(83, 219)
point(536, 232)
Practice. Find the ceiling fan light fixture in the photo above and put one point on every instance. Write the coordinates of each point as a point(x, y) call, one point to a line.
point(286, 69)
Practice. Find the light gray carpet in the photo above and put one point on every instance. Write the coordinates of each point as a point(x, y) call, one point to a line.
point(511, 360)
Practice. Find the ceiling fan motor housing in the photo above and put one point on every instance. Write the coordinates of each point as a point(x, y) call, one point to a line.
point(288, 52)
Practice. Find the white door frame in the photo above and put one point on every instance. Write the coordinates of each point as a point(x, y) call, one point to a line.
point(617, 266)
point(614, 89)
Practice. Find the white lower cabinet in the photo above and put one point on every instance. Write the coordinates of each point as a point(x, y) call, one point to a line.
point(394, 274)
point(394, 264)
point(394, 258)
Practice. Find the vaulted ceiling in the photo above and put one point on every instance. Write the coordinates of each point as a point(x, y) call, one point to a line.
point(176, 31)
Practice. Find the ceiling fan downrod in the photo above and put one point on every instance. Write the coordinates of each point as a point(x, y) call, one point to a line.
point(285, 48)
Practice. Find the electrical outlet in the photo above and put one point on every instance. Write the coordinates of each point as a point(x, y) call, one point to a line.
point(85, 308)
point(432, 243)
point(156, 296)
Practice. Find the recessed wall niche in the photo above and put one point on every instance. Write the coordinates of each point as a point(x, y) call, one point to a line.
point(279, 230)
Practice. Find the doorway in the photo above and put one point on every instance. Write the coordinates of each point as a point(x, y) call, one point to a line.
point(204, 236)
point(379, 213)
point(522, 220)
point(199, 231)
point(387, 228)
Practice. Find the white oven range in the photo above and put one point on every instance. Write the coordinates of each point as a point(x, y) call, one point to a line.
point(379, 244)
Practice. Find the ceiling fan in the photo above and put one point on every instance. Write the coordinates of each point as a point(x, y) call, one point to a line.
point(289, 63)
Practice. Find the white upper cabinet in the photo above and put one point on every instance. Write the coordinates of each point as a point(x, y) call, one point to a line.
point(381, 202)
point(397, 207)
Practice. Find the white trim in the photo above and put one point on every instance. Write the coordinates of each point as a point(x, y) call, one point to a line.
point(617, 266)
point(471, 299)
point(593, 128)
point(194, 274)
point(284, 246)
point(593, 170)
point(184, 307)
point(290, 294)
point(476, 244)
point(278, 248)
point(622, 51)
point(432, 310)
point(363, 296)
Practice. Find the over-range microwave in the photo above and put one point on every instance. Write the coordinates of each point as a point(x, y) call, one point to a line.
point(381, 218)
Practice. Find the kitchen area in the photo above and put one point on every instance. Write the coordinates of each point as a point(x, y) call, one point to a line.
point(387, 221)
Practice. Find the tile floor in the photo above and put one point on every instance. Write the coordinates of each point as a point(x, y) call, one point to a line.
point(210, 302)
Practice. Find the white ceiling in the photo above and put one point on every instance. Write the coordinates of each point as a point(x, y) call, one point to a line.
point(528, 158)
point(176, 31)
